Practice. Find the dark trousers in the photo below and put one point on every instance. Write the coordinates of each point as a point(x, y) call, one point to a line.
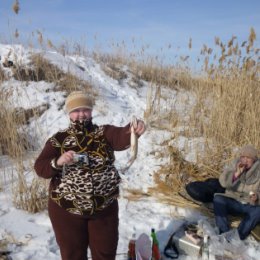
point(74, 234)
point(224, 206)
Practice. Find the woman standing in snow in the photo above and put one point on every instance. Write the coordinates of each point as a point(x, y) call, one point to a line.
point(242, 193)
point(84, 187)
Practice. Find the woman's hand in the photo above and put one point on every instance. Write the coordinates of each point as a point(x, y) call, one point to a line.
point(65, 158)
point(240, 168)
point(253, 197)
point(140, 128)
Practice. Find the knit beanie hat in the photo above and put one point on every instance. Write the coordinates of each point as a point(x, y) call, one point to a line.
point(248, 151)
point(78, 99)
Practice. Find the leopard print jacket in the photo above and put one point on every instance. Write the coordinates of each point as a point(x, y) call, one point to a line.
point(83, 188)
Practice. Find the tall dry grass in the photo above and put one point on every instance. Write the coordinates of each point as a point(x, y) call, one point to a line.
point(2, 75)
point(226, 112)
point(236, 91)
point(15, 143)
point(41, 69)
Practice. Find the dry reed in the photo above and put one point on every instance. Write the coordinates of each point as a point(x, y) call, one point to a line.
point(16, 6)
point(14, 141)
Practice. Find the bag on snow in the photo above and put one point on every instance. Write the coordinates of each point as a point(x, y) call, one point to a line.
point(204, 191)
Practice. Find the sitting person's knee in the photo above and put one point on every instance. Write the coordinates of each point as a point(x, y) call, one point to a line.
point(219, 199)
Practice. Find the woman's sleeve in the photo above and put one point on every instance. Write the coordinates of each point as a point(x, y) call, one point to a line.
point(45, 165)
point(117, 137)
point(226, 178)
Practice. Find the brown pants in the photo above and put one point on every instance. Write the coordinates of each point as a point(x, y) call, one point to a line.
point(75, 233)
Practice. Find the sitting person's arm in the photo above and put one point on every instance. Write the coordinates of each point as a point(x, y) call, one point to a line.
point(230, 175)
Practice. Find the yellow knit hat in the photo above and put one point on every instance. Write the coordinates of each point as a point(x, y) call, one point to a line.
point(78, 99)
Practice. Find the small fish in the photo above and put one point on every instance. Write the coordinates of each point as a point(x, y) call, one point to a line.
point(133, 144)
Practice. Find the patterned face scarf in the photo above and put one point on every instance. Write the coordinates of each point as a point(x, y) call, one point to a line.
point(81, 126)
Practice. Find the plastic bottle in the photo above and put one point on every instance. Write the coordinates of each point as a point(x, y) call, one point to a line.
point(131, 249)
point(155, 246)
point(205, 248)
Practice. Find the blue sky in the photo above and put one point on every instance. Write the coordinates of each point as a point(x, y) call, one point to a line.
point(153, 23)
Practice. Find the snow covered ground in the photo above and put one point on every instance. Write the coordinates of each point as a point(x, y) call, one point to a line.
point(31, 235)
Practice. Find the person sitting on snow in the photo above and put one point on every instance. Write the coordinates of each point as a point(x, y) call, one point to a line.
point(241, 181)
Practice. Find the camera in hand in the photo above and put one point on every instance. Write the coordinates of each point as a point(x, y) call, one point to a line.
point(80, 158)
